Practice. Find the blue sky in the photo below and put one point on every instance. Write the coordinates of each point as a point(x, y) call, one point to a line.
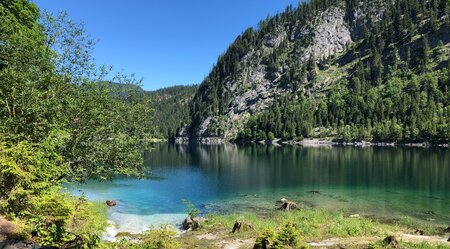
point(166, 42)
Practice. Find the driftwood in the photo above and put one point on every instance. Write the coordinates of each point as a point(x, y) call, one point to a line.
point(240, 224)
point(288, 205)
point(392, 242)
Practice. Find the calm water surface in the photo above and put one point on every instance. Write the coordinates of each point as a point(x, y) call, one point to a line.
point(373, 181)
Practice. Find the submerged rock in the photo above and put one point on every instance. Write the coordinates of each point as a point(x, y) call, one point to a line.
point(111, 203)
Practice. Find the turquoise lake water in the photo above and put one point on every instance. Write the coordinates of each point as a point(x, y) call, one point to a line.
point(381, 182)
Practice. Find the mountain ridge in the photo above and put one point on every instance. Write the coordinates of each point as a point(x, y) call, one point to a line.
point(311, 50)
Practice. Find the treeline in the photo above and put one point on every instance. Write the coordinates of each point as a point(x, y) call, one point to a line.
point(60, 121)
point(397, 90)
point(171, 109)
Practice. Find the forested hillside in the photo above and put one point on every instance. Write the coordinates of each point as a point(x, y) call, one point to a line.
point(352, 70)
point(171, 109)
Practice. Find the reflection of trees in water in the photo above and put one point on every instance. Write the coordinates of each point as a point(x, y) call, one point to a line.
point(256, 166)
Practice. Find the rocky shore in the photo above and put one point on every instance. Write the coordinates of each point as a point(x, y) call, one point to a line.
point(313, 142)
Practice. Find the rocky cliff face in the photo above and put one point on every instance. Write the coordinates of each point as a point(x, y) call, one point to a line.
point(253, 88)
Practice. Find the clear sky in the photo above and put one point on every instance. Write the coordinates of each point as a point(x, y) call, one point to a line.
point(166, 42)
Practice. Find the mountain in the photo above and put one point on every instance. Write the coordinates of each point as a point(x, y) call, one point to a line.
point(171, 108)
point(341, 69)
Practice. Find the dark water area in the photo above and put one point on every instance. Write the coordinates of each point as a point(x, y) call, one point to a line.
point(383, 182)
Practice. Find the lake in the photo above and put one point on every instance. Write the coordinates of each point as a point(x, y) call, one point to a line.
point(381, 182)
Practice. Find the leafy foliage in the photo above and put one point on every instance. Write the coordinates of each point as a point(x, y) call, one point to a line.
point(59, 123)
point(192, 210)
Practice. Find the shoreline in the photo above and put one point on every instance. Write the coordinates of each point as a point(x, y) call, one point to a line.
point(310, 142)
point(339, 228)
point(115, 229)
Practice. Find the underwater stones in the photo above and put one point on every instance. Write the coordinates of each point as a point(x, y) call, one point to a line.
point(314, 192)
point(111, 203)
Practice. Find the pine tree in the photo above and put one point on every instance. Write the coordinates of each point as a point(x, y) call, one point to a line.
point(425, 54)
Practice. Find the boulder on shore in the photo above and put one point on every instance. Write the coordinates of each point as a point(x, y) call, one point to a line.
point(7, 229)
point(193, 223)
point(392, 242)
point(241, 224)
point(111, 203)
point(288, 205)
point(12, 244)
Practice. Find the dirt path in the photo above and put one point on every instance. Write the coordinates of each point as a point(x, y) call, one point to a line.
point(423, 238)
point(366, 240)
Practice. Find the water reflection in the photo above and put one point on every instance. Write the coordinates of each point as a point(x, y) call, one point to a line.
point(260, 167)
point(380, 182)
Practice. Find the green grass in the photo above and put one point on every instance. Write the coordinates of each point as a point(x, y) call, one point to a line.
point(411, 225)
point(303, 226)
point(313, 224)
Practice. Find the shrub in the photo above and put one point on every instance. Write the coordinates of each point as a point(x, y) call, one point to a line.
point(287, 237)
point(160, 238)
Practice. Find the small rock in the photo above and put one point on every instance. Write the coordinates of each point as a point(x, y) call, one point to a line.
point(238, 225)
point(288, 205)
point(448, 239)
point(354, 216)
point(7, 229)
point(11, 244)
point(392, 241)
point(419, 232)
point(111, 203)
